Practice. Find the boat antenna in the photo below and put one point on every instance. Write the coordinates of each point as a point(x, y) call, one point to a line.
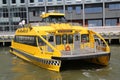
point(71, 16)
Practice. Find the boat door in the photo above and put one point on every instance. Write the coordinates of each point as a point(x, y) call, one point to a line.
point(77, 41)
point(51, 40)
point(59, 42)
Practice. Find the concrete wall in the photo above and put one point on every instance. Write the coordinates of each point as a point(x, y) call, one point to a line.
point(109, 13)
point(73, 15)
point(64, 3)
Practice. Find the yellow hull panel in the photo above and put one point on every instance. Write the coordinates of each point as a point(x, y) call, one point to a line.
point(44, 63)
point(103, 60)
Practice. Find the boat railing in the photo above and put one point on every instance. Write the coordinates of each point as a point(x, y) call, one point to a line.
point(40, 24)
point(74, 23)
point(86, 49)
point(46, 48)
point(48, 23)
point(93, 47)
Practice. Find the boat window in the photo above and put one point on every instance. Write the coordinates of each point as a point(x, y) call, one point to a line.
point(46, 19)
point(64, 38)
point(41, 42)
point(77, 38)
point(29, 40)
point(57, 19)
point(51, 39)
point(15, 38)
point(70, 38)
point(44, 37)
point(54, 19)
point(58, 39)
point(84, 38)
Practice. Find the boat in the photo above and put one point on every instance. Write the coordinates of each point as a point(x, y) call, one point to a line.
point(53, 40)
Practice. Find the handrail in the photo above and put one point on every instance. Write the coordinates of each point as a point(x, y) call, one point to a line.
point(53, 48)
point(107, 47)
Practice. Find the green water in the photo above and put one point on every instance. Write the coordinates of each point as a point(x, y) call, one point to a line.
point(14, 68)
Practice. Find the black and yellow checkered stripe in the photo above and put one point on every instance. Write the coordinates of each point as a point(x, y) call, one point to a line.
point(44, 61)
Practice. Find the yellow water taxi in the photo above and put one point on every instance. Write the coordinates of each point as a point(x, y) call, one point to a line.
point(53, 40)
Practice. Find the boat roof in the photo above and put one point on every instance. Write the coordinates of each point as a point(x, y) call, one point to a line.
point(42, 28)
point(35, 30)
point(44, 15)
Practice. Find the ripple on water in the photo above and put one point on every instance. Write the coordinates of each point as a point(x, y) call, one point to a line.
point(102, 79)
point(87, 74)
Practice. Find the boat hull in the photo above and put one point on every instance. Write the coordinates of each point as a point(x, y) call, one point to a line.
point(54, 64)
point(49, 64)
point(100, 58)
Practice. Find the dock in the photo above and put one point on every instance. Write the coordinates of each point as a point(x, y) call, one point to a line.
point(110, 33)
point(6, 37)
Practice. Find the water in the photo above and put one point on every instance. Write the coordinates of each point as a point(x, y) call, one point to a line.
point(14, 68)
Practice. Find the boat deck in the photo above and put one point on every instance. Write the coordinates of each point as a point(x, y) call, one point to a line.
point(81, 54)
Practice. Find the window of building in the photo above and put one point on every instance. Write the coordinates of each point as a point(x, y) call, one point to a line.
point(6, 28)
point(94, 23)
point(111, 22)
point(59, 0)
point(0, 14)
point(68, 0)
point(87, 0)
point(5, 12)
point(78, 1)
point(31, 1)
point(49, 0)
point(1, 28)
point(50, 9)
point(78, 9)
point(98, 0)
point(93, 10)
point(59, 9)
point(114, 6)
point(4, 1)
point(41, 11)
point(69, 8)
point(13, 1)
point(40, 0)
point(5, 15)
point(22, 1)
point(36, 13)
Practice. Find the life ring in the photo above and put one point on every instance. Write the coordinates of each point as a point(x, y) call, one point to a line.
point(67, 48)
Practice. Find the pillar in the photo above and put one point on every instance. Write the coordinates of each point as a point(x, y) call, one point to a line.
point(3, 43)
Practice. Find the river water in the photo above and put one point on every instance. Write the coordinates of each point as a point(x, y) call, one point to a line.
point(14, 68)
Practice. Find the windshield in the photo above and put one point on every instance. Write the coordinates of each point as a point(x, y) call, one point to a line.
point(54, 19)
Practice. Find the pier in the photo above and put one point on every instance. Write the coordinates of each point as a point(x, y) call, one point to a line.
point(6, 38)
point(110, 34)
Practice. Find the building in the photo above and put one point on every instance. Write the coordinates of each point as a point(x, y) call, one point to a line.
point(91, 13)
